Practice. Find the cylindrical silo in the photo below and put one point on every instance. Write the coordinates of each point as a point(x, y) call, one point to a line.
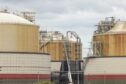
point(107, 65)
point(24, 68)
point(105, 70)
point(111, 43)
point(56, 49)
point(52, 42)
point(18, 34)
point(20, 60)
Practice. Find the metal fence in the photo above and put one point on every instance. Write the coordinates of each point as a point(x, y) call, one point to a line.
point(61, 77)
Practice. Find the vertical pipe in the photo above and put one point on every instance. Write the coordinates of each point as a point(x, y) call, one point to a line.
point(68, 63)
point(78, 53)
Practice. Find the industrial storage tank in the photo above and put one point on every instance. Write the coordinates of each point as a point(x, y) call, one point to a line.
point(56, 49)
point(65, 50)
point(24, 68)
point(20, 59)
point(112, 42)
point(105, 70)
point(52, 42)
point(18, 34)
point(107, 64)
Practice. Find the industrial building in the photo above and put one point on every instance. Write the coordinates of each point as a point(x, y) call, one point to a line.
point(21, 62)
point(107, 64)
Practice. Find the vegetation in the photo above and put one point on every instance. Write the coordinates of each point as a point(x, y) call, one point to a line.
point(43, 82)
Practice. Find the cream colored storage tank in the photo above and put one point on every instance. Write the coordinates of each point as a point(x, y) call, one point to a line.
point(17, 34)
point(52, 42)
point(56, 49)
point(111, 43)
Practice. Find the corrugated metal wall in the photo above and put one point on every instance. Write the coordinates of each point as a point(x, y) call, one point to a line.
point(26, 68)
point(19, 38)
point(112, 44)
point(106, 70)
point(56, 50)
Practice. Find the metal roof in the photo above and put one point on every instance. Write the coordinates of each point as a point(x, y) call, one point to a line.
point(13, 19)
point(120, 27)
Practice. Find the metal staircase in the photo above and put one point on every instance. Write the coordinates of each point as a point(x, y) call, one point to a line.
point(71, 72)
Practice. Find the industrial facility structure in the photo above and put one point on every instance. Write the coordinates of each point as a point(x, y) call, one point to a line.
point(53, 42)
point(107, 64)
point(21, 62)
point(30, 56)
point(66, 55)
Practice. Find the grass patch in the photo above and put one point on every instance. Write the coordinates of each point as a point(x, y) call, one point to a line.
point(43, 82)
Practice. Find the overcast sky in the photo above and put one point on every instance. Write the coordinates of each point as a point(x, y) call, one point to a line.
point(75, 15)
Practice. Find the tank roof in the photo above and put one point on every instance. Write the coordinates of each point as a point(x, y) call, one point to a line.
point(119, 27)
point(13, 19)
